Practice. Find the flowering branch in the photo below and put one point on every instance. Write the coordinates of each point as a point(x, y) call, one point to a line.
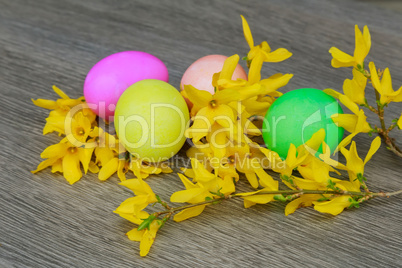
point(383, 131)
point(298, 193)
point(354, 89)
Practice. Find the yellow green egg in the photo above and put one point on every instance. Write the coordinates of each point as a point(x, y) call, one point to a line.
point(150, 119)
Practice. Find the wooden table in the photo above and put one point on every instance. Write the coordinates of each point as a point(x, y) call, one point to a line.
point(44, 222)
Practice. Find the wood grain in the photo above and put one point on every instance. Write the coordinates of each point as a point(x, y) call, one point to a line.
point(44, 222)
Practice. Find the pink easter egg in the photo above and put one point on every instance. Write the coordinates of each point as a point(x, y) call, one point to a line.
point(111, 76)
point(200, 73)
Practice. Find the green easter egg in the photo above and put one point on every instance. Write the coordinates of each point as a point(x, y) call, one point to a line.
point(297, 115)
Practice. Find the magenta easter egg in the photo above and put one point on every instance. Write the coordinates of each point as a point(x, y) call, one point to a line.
point(200, 73)
point(111, 76)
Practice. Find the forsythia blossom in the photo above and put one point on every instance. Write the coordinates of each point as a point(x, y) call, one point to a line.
point(132, 210)
point(362, 48)
point(85, 144)
point(263, 49)
point(385, 86)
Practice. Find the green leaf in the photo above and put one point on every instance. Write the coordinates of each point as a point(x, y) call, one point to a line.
point(208, 198)
point(323, 198)
point(218, 193)
point(280, 197)
point(332, 185)
point(353, 203)
point(216, 202)
point(158, 198)
point(146, 223)
point(360, 177)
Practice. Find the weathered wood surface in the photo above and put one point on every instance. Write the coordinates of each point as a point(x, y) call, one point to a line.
point(44, 222)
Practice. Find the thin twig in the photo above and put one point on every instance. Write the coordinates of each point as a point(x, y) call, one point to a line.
point(280, 192)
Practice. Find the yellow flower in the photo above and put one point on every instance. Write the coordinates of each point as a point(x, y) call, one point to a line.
point(107, 148)
point(142, 169)
point(65, 103)
point(221, 79)
point(211, 182)
point(264, 49)
point(326, 203)
point(206, 186)
point(65, 157)
point(337, 204)
point(354, 89)
point(114, 158)
point(362, 48)
point(385, 86)
point(55, 122)
point(132, 210)
point(354, 164)
point(146, 237)
point(78, 130)
point(273, 83)
point(399, 122)
point(333, 206)
point(194, 193)
point(287, 166)
point(204, 154)
point(114, 165)
point(110, 154)
point(248, 160)
point(354, 123)
point(246, 125)
point(258, 106)
point(302, 201)
point(296, 156)
point(214, 109)
point(316, 170)
point(326, 157)
point(218, 140)
point(60, 109)
point(257, 197)
point(132, 207)
point(254, 92)
point(228, 169)
point(258, 95)
point(241, 157)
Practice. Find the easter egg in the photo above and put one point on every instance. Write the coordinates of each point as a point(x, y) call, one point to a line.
point(111, 76)
point(199, 74)
point(296, 116)
point(150, 119)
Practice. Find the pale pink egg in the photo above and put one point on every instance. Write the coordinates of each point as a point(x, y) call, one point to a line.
point(200, 73)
